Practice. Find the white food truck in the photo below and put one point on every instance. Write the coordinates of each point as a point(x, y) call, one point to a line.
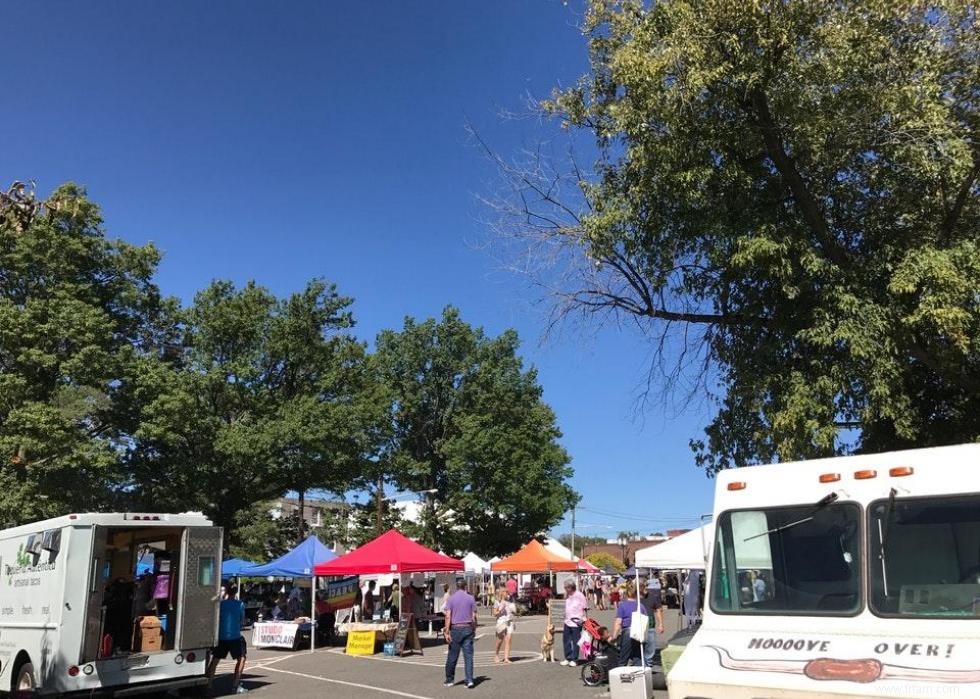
point(842, 578)
point(120, 603)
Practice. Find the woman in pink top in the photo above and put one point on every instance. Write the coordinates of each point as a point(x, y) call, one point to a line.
point(575, 607)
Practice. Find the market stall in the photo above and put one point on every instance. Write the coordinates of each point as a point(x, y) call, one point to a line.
point(392, 553)
point(534, 557)
point(297, 564)
point(587, 567)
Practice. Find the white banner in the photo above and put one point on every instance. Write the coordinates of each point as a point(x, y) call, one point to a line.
point(274, 635)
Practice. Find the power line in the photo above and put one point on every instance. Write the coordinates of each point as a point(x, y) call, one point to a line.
point(640, 518)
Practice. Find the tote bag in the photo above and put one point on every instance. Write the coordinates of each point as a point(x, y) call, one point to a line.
point(639, 623)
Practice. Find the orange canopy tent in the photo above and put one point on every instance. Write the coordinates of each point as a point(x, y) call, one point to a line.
point(533, 558)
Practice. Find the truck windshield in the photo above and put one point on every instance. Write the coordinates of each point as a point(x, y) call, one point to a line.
point(925, 556)
point(788, 560)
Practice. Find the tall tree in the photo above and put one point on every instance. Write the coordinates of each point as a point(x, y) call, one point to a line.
point(469, 423)
point(787, 196)
point(263, 399)
point(78, 312)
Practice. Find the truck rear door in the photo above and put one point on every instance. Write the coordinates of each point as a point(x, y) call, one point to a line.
point(94, 611)
point(199, 588)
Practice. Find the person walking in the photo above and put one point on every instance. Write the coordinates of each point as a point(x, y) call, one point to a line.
point(504, 610)
point(600, 589)
point(231, 615)
point(575, 607)
point(650, 598)
point(629, 650)
point(459, 632)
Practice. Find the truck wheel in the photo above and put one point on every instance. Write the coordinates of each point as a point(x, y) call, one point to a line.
point(25, 686)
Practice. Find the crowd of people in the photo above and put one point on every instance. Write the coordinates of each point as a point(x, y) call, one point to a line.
point(460, 608)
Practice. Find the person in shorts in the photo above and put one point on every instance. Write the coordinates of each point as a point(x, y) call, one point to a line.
point(231, 615)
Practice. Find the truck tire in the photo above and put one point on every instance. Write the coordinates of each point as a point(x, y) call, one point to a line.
point(25, 682)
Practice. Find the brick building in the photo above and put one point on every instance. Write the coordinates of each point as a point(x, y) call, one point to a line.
point(627, 552)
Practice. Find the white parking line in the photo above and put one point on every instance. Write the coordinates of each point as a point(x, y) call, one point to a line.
point(437, 658)
point(394, 692)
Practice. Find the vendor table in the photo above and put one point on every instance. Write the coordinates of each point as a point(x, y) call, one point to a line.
point(279, 634)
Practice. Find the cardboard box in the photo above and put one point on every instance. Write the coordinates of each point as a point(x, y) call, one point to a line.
point(147, 635)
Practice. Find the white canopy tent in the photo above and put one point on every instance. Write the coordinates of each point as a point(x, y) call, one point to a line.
point(559, 549)
point(475, 564)
point(693, 550)
point(684, 552)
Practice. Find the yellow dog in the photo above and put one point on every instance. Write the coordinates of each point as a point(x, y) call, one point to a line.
point(548, 644)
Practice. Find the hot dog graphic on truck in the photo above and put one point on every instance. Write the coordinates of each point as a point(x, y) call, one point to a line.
point(846, 577)
point(120, 603)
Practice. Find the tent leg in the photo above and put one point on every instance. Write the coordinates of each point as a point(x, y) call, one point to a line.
point(313, 615)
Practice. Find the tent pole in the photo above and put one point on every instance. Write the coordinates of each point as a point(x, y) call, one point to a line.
point(313, 615)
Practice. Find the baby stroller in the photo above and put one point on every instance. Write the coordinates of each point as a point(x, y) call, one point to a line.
point(601, 656)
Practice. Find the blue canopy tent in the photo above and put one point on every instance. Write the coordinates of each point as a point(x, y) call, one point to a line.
point(298, 563)
point(633, 572)
point(232, 568)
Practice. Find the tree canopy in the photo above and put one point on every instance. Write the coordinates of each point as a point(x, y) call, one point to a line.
point(77, 312)
point(787, 197)
point(263, 399)
point(469, 423)
point(114, 397)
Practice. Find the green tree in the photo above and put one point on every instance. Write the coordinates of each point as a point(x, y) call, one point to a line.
point(469, 423)
point(79, 313)
point(262, 400)
point(786, 197)
point(605, 560)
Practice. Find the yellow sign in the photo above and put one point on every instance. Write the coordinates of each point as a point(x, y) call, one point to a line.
point(361, 642)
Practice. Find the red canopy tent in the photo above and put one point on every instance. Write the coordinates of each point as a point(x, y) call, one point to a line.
point(588, 567)
point(392, 552)
point(532, 558)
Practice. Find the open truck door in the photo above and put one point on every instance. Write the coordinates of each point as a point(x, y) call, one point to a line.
point(94, 611)
point(200, 588)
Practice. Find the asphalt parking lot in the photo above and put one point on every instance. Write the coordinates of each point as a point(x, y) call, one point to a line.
point(301, 674)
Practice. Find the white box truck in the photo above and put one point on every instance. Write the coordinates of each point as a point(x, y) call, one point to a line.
point(76, 617)
point(842, 578)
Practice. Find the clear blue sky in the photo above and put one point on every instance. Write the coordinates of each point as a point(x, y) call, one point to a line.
point(279, 142)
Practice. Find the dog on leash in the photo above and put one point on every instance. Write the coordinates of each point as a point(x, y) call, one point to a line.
point(548, 644)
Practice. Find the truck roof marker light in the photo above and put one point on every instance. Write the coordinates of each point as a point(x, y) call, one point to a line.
point(72, 516)
point(829, 477)
point(737, 485)
point(865, 474)
point(901, 471)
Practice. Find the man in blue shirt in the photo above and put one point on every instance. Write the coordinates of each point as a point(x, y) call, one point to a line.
point(231, 614)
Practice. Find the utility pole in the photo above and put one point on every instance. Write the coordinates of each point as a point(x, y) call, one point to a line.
point(573, 531)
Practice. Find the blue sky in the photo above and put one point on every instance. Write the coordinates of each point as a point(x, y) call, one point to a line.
point(279, 142)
